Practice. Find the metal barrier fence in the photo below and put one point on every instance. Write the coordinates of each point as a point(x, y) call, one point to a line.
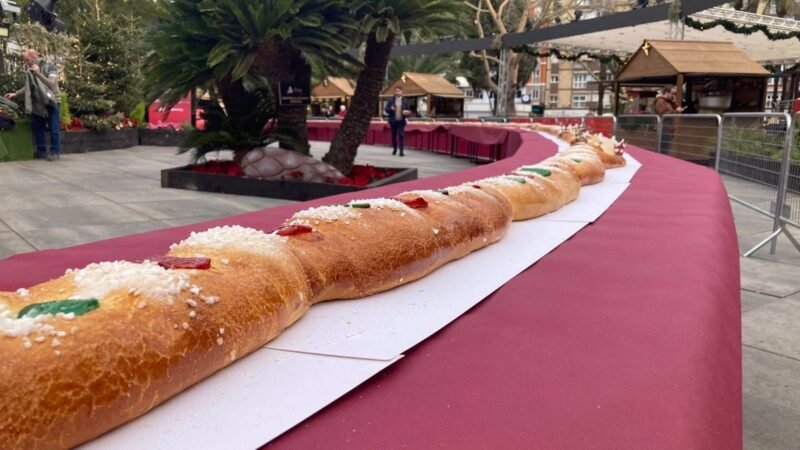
point(641, 130)
point(691, 137)
point(755, 156)
point(758, 154)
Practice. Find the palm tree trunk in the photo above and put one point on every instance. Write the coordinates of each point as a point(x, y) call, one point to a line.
point(355, 125)
point(282, 63)
point(293, 119)
point(513, 76)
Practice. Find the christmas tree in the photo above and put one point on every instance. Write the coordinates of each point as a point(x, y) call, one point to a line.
point(102, 73)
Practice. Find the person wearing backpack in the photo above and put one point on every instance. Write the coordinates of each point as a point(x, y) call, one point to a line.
point(41, 99)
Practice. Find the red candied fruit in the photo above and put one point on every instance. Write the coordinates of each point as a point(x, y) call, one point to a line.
point(292, 230)
point(416, 203)
point(175, 262)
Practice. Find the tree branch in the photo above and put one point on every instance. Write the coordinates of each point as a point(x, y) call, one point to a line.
point(484, 55)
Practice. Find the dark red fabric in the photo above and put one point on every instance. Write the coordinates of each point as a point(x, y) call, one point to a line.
point(626, 336)
point(480, 143)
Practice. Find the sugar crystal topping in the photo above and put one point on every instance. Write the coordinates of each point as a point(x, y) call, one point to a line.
point(11, 326)
point(330, 213)
point(501, 180)
point(237, 237)
point(461, 188)
point(148, 278)
point(430, 194)
point(380, 203)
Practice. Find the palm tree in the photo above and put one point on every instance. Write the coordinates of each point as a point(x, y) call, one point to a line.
point(243, 50)
point(436, 63)
point(382, 21)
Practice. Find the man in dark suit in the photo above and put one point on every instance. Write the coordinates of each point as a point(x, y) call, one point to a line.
point(397, 109)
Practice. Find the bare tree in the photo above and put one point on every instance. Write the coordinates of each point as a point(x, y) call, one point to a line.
point(501, 17)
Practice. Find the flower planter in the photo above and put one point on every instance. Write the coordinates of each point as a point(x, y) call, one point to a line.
point(94, 141)
point(166, 137)
point(185, 178)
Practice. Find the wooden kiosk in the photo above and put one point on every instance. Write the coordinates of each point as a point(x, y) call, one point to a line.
point(331, 91)
point(429, 95)
point(710, 78)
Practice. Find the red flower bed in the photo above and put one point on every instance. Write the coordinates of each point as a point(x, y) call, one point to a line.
point(364, 175)
point(219, 168)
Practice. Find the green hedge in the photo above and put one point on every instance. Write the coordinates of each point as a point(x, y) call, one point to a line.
point(16, 144)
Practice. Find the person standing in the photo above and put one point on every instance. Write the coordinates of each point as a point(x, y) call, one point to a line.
point(42, 102)
point(666, 104)
point(397, 109)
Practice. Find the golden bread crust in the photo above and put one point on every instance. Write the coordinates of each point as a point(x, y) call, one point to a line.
point(117, 362)
point(588, 170)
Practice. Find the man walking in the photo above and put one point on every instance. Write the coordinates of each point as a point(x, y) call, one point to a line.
point(397, 109)
point(41, 100)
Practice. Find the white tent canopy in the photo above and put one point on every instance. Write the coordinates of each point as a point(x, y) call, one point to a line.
point(757, 45)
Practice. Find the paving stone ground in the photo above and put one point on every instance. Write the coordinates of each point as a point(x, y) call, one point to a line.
point(93, 196)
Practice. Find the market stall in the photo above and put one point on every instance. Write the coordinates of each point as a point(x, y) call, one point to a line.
point(429, 95)
point(710, 77)
point(330, 94)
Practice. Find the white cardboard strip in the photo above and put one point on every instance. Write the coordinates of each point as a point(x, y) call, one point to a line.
point(562, 145)
point(623, 174)
point(592, 202)
point(385, 325)
point(245, 405)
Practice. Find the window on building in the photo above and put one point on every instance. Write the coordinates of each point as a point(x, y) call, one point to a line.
point(579, 80)
point(579, 101)
point(535, 94)
point(554, 78)
point(554, 99)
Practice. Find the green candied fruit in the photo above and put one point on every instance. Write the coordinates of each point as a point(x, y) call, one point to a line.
point(538, 170)
point(77, 307)
point(577, 160)
point(443, 192)
point(518, 180)
point(359, 205)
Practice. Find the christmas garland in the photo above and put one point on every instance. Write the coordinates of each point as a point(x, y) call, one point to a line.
point(741, 29)
point(747, 30)
point(603, 58)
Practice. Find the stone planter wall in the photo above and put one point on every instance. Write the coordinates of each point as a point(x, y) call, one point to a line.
point(93, 141)
point(185, 178)
point(167, 137)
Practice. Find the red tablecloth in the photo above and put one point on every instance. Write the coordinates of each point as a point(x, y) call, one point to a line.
point(626, 336)
point(469, 141)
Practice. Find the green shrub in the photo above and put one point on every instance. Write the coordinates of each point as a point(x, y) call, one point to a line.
point(65, 115)
point(138, 112)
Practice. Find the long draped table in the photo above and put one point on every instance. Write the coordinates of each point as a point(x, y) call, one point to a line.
point(626, 336)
